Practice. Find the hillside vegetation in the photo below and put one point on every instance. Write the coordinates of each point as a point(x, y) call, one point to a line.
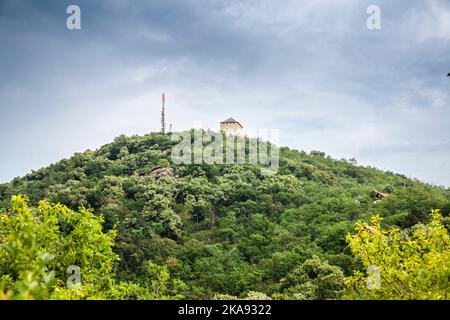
point(220, 231)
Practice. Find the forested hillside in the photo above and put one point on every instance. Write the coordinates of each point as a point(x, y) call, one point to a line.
point(223, 231)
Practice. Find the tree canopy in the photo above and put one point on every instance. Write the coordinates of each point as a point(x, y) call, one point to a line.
point(210, 231)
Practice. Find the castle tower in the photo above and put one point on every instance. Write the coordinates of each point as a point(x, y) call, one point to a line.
point(231, 127)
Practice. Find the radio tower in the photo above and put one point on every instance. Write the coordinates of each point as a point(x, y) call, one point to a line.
point(163, 111)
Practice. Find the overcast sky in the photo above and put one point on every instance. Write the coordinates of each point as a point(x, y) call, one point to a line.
point(311, 69)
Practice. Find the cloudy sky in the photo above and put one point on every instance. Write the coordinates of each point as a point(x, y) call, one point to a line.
point(311, 69)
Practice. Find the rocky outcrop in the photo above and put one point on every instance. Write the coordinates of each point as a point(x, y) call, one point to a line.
point(158, 172)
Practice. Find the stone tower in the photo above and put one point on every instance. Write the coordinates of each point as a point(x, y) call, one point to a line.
point(231, 127)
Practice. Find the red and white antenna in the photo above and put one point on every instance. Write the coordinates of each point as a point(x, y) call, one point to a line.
point(163, 114)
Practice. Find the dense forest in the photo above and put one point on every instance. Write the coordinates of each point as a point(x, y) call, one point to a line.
point(140, 227)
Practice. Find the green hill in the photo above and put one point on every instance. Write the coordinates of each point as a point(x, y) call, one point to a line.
point(228, 229)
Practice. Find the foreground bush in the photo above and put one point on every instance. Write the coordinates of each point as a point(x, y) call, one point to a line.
point(40, 245)
point(403, 264)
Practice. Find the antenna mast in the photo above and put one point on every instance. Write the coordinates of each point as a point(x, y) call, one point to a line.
point(163, 111)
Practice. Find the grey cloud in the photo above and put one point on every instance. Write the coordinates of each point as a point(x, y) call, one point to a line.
point(309, 68)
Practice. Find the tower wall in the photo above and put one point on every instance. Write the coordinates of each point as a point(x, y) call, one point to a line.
point(231, 128)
